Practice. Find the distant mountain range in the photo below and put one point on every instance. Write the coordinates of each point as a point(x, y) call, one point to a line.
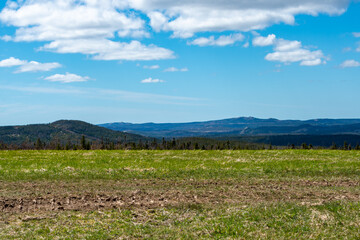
point(243, 126)
point(318, 132)
point(63, 131)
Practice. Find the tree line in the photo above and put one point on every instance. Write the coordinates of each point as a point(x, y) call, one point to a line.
point(156, 144)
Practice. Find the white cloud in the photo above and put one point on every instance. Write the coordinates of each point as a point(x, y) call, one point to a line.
point(314, 62)
point(350, 63)
point(12, 62)
point(134, 33)
point(55, 20)
point(104, 49)
point(37, 67)
point(25, 66)
point(304, 56)
point(286, 51)
point(174, 69)
point(221, 41)
point(157, 20)
point(66, 78)
point(283, 45)
point(152, 67)
point(186, 17)
point(82, 26)
point(151, 80)
point(264, 41)
point(6, 38)
point(44, 20)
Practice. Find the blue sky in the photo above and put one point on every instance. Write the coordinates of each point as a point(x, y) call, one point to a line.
point(162, 61)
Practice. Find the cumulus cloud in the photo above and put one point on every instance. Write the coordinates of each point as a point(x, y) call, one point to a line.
point(221, 41)
point(44, 20)
point(11, 62)
point(356, 34)
point(48, 20)
point(286, 51)
point(82, 26)
point(350, 63)
point(66, 78)
point(174, 69)
point(91, 26)
point(264, 41)
point(152, 67)
point(151, 80)
point(25, 66)
point(187, 17)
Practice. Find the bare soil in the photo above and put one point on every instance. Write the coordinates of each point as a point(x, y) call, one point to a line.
point(21, 197)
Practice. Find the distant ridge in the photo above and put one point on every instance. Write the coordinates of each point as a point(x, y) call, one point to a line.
point(242, 126)
point(64, 131)
point(317, 132)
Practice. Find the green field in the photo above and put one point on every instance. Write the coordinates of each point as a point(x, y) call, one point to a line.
point(275, 194)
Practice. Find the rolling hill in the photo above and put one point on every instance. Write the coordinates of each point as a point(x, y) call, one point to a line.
point(64, 131)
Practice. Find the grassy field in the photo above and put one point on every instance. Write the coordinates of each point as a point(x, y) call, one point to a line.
point(285, 194)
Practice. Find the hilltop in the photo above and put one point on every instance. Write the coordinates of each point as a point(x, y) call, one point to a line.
point(63, 131)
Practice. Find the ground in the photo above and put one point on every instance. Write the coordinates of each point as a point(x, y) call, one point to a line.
point(286, 194)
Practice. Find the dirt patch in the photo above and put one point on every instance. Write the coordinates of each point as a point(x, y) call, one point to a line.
point(79, 196)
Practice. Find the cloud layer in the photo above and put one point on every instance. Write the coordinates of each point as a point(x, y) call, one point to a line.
point(187, 17)
point(66, 24)
point(112, 29)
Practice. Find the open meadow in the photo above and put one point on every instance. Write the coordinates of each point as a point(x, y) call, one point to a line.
point(269, 194)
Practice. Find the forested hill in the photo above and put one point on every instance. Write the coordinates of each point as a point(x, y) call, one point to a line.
point(243, 126)
point(63, 131)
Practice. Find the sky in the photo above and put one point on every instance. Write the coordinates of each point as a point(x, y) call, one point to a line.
point(139, 61)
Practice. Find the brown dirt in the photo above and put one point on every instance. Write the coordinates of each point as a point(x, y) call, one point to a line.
point(86, 196)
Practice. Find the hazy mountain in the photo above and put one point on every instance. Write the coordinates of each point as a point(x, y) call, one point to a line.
point(297, 140)
point(64, 131)
point(243, 126)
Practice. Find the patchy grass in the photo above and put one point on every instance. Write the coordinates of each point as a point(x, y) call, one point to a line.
point(334, 220)
point(287, 194)
point(119, 165)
